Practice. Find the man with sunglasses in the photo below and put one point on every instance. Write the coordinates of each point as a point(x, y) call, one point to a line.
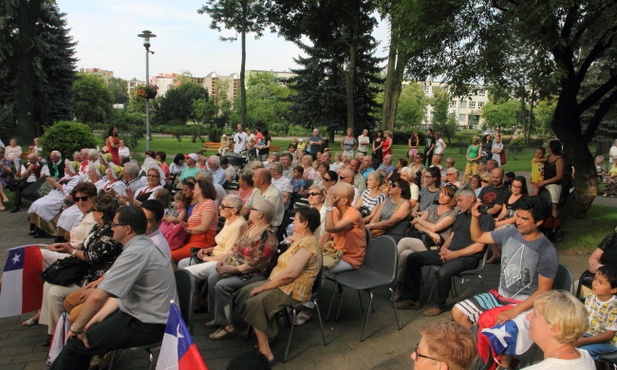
point(143, 282)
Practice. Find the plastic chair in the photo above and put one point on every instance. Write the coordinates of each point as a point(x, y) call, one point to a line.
point(377, 270)
point(564, 280)
point(185, 286)
point(461, 275)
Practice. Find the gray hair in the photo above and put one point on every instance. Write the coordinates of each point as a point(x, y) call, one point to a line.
point(234, 201)
point(266, 208)
point(205, 173)
point(132, 169)
point(454, 171)
point(465, 192)
point(277, 166)
point(215, 160)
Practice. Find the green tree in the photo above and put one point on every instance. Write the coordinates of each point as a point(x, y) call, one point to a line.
point(68, 137)
point(502, 115)
point(411, 107)
point(118, 88)
point(93, 100)
point(137, 103)
point(36, 67)
point(267, 103)
point(242, 16)
point(177, 104)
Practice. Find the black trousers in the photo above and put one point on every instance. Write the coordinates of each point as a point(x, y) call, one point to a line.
point(21, 186)
point(119, 330)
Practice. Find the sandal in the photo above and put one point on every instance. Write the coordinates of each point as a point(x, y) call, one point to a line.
point(302, 318)
point(222, 334)
point(211, 324)
point(29, 322)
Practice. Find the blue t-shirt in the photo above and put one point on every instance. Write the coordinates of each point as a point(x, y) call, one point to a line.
point(522, 261)
point(298, 184)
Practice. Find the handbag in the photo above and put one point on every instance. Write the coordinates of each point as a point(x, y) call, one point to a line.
point(330, 256)
point(502, 157)
point(65, 272)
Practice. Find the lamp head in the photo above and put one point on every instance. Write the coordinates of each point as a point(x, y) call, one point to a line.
point(146, 35)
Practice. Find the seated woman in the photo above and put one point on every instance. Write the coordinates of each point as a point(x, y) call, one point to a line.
point(155, 181)
point(372, 196)
point(557, 321)
point(202, 223)
point(431, 228)
point(290, 282)
point(392, 216)
point(71, 216)
point(114, 184)
point(12, 153)
point(248, 262)
point(43, 211)
point(604, 254)
point(245, 183)
point(98, 250)
point(452, 176)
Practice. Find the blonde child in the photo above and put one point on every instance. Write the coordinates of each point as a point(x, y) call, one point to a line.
point(537, 169)
point(301, 145)
point(179, 212)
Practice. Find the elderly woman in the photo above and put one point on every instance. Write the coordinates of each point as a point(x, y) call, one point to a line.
point(349, 143)
point(207, 258)
point(247, 263)
point(203, 221)
point(322, 170)
point(431, 228)
point(114, 183)
point(452, 177)
point(155, 178)
point(43, 211)
point(98, 251)
point(393, 214)
point(557, 321)
point(372, 196)
point(71, 216)
point(290, 282)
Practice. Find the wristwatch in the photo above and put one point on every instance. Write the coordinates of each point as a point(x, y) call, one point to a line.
point(329, 209)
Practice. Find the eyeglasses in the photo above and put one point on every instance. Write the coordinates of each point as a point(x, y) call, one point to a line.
point(343, 177)
point(81, 199)
point(224, 206)
point(313, 194)
point(325, 179)
point(115, 224)
point(392, 184)
point(419, 355)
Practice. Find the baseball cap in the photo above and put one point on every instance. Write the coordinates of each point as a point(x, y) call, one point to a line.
point(193, 156)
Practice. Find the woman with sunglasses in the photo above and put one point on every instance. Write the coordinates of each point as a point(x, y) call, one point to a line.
point(328, 180)
point(430, 229)
point(98, 250)
point(372, 196)
point(393, 214)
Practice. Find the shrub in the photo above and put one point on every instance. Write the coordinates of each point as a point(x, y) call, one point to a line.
point(68, 137)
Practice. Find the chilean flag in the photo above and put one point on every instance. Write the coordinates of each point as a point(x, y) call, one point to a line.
point(178, 351)
point(22, 286)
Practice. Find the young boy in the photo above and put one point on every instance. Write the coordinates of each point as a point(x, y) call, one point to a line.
point(298, 183)
point(600, 169)
point(537, 169)
point(601, 305)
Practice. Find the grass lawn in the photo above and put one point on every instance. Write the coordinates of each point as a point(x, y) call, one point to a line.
point(581, 236)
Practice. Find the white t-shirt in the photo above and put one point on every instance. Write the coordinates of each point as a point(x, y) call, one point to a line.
point(439, 145)
point(363, 142)
point(585, 362)
point(612, 154)
point(240, 140)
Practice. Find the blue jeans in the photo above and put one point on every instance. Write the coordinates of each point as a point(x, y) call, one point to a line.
point(597, 349)
point(413, 274)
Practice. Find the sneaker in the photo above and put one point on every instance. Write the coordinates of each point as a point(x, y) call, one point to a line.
point(433, 311)
point(408, 304)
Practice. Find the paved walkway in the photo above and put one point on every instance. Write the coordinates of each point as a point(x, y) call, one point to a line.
point(385, 348)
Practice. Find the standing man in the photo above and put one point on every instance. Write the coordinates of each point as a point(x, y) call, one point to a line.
point(240, 139)
point(143, 282)
point(315, 142)
point(429, 147)
point(363, 142)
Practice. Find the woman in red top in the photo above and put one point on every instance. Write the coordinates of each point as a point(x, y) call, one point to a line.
point(113, 143)
point(387, 143)
point(202, 224)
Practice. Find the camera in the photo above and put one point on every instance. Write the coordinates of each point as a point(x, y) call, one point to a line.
point(483, 209)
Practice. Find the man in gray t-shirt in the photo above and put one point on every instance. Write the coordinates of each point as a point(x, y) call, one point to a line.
point(142, 283)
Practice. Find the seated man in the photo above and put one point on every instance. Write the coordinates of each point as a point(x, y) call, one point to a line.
point(457, 254)
point(28, 176)
point(496, 194)
point(528, 267)
point(143, 281)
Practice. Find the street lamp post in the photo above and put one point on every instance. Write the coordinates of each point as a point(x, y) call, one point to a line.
point(146, 35)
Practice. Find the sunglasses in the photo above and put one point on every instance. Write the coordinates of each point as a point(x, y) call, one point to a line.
point(392, 184)
point(326, 179)
point(224, 206)
point(81, 199)
point(343, 177)
point(313, 194)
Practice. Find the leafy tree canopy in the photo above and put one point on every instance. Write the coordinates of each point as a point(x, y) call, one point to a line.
point(93, 100)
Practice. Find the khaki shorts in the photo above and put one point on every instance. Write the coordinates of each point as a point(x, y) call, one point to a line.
point(555, 191)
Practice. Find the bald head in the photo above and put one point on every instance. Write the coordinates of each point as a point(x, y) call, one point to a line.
point(497, 176)
point(343, 190)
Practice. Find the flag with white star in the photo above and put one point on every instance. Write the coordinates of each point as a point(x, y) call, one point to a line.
point(22, 286)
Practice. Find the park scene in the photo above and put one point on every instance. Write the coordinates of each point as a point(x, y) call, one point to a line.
point(455, 162)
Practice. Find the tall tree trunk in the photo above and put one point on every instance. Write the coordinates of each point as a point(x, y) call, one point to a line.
point(394, 78)
point(243, 66)
point(351, 68)
point(28, 15)
point(567, 127)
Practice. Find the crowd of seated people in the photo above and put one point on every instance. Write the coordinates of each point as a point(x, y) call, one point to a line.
point(228, 239)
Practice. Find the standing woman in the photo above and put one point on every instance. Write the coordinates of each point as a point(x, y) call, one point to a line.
point(487, 145)
point(387, 143)
point(377, 147)
point(349, 143)
point(413, 142)
point(113, 143)
point(264, 151)
point(440, 145)
point(553, 173)
point(496, 149)
point(474, 154)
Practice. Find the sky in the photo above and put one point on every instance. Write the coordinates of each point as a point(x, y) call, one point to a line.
point(106, 32)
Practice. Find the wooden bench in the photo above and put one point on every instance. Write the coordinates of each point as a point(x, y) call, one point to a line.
point(210, 145)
